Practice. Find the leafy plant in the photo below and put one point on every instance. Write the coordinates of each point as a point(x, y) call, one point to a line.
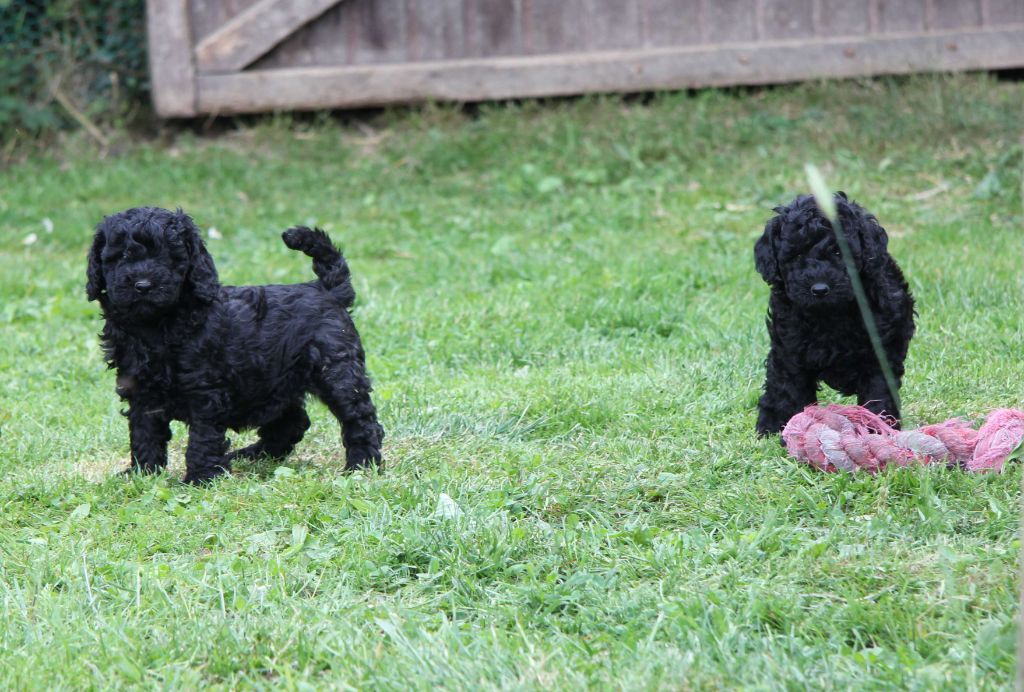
point(70, 62)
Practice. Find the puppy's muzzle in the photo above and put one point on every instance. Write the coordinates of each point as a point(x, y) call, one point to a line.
point(143, 286)
point(819, 290)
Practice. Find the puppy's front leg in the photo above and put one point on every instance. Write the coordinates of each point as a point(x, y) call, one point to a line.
point(873, 394)
point(788, 389)
point(204, 457)
point(149, 430)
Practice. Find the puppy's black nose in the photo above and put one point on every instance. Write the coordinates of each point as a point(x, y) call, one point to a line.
point(143, 286)
point(819, 289)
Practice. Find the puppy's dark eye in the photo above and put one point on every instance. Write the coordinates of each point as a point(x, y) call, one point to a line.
point(134, 252)
point(837, 252)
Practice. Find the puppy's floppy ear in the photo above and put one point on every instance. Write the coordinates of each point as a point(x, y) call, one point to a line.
point(95, 284)
point(765, 258)
point(874, 241)
point(202, 274)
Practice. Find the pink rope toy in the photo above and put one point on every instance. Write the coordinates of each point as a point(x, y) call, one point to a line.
point(851, 438)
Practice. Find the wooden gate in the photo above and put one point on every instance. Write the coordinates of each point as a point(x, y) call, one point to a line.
point(230, 56)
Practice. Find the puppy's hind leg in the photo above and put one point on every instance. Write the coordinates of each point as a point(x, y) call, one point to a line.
point(345, 388)
point(278, 437)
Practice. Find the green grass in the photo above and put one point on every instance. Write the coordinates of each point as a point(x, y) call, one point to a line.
point(566, 334)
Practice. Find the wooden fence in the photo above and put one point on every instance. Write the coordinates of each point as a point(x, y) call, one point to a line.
point(230, 56)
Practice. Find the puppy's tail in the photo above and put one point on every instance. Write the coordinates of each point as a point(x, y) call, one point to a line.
point(329, 265)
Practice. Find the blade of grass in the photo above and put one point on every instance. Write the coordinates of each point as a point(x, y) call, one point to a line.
point(827, 204)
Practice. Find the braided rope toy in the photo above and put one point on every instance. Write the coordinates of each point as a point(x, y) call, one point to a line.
point(851, 438)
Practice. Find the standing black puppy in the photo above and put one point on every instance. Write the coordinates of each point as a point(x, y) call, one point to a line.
point(816, 329)
point(218, 357)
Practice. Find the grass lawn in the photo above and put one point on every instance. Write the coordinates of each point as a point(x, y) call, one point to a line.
point(566, 334)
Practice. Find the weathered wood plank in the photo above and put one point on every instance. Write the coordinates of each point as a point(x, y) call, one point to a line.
point(843, 18)
point(376, 31)
point(1002, 12)
point(787, 19)
point(206, 16)
point(902, 15)
point(435, 29)
point(492, 27)
point(254, 31)
point(730, 21)
point(321, 42)
point(555, 26)
point(672, 23)
point(956, 14)
point(549, 75)
point(172, 73)
point(614, 25)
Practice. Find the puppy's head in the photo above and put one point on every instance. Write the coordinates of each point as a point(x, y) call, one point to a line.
point(798, 253)
point(146, 262)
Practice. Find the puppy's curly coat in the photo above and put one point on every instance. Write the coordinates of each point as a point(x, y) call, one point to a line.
point(187, 348)
point(814, 324)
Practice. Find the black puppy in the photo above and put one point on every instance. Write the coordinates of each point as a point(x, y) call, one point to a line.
point(217, 357)
point(816, 329)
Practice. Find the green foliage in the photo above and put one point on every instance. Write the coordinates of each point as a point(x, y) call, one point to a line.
point(90, 54)
point(566, 334)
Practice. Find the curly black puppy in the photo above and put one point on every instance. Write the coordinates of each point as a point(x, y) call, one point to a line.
point(816, 329)
point(187, 348)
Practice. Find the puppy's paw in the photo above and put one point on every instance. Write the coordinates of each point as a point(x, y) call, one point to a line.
point(253, 451)
point(140, 469)
point(769, 432)
point(204, 476)
point(768, 425)
point(363, 457)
